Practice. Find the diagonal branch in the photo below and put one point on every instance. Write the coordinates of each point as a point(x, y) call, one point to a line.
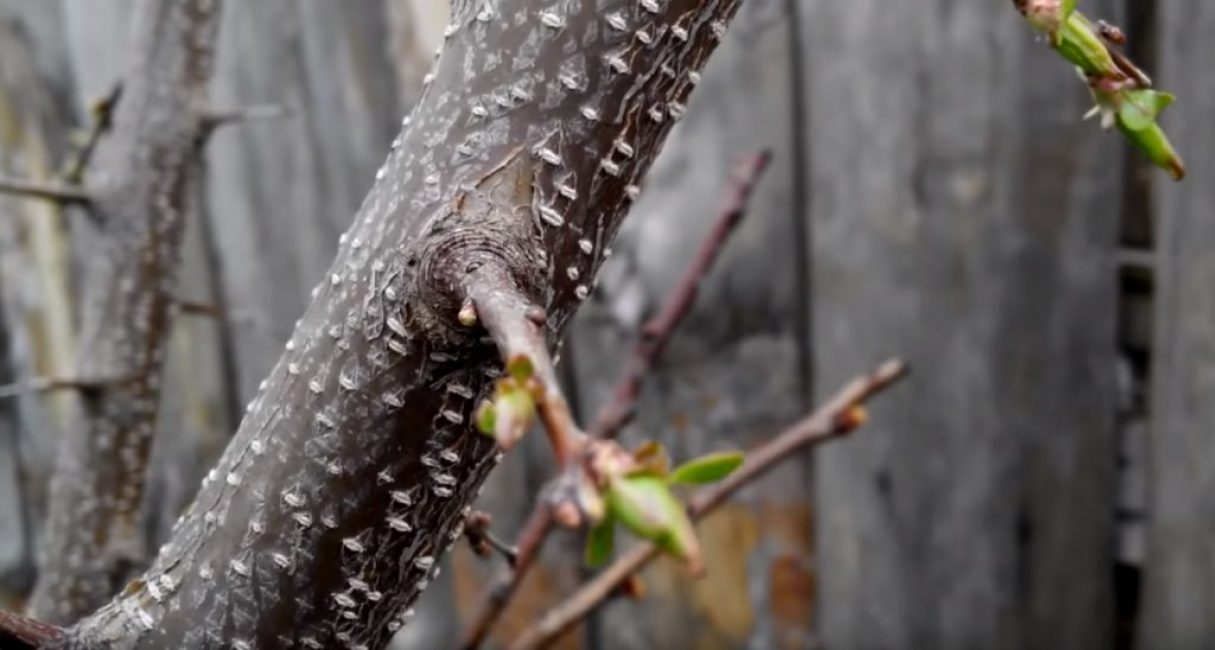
point(841, 415)
point(20, 633)
point(103, 113)
point(658, 330)
point(612, 418)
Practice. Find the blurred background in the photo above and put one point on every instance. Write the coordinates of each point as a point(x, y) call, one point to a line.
point(1046, 479)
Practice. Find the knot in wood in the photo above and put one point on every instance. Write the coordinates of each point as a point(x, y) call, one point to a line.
point(489, 232)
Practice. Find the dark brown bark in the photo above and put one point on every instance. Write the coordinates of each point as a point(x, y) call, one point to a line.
point(138, 181)
point(355, 465)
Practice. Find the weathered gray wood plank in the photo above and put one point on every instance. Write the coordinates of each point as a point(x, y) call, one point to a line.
point(281, 192)
point(731, 376)
point(1179, 592)
point(964, 217)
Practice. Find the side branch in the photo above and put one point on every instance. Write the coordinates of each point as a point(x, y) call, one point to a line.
point(46, 191)
point(19, 632)
point(842, 414)
point(616, 414)
point(658, 330)
point(517, 328)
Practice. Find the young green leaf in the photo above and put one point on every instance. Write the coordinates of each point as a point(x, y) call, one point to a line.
point(510, 413)
point(1139, 109)
point(707, 469)
point(645, 505)
point(487, 418)
point(600, 542)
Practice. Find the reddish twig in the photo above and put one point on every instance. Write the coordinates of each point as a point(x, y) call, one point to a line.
point(654, 336)
point(839, 416)
point(656, 332)
point(19, 632)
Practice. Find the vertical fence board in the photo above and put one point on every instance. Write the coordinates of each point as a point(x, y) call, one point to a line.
point(964, 218)
point(37, 319)
point(1179, 593)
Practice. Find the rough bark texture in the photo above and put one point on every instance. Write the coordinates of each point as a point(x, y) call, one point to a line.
point(140, 180)
point(1179, 587)
point(351, 471)
point(965, 216)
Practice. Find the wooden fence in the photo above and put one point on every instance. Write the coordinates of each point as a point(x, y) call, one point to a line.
point(934, 195)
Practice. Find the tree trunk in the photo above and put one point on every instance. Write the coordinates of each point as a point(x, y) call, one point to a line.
point(962, 214)
point(352, 471)
point(1179, 586)
point(141, 181)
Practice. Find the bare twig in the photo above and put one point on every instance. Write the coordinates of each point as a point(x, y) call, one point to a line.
point(840, 415)
point(45, 190)
point(499, 593)
point(612, 418)
point(102, 112)
point(657, 331)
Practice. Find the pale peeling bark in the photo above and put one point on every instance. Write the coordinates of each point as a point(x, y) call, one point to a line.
point(327, 514)
point(139, 183)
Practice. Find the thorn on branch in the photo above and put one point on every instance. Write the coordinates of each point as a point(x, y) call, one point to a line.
point(216, 118)
point(61, 193)
point(102, 112)
point(219, 313)
point(48, 384)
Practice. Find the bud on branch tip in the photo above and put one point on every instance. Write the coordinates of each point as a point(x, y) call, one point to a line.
point(1122, 92)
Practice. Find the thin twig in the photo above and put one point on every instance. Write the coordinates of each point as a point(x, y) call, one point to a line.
point(518, 329)
point(46, 385)
point(657, 331)
point(103, 113)
point(611, 419)
point(838, 417)
point(45, 190)
point(504, 586)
